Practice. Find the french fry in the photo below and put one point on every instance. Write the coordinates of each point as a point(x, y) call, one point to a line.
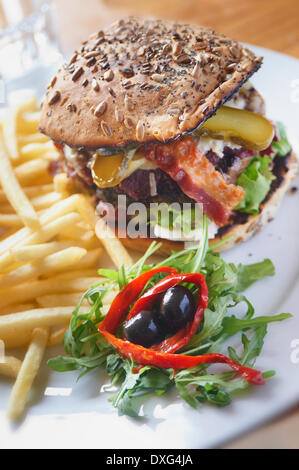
point(24, 254)
point(9, 134)
point(56, 262)
point(11, 125)
point(28, 121)
point(75, 274)
point(63, 184)
point(7, 209)
point(17, 308)
point(14, 192)
point(39, 202)
point(45, 200)
point(37, 150)
point(90, 259)
point(33, 171)
point(47, 232)
point(25, 108)
point(87, 211)
point(27, 373)
point(109, 297)
point(29, 291)
point(85, 267)
point(113, 246)
point(64, 300)
point(76, 233)
point(12, 240)
point(37, 137)
point(5, 232)
point(10, 220)
point(31, 191)
point(90, 244)
point(57, 336)
point(37, 318)
point(24, 237)
point(61, 208)
point(15, 340)
point(57, 210)
point(11, 367)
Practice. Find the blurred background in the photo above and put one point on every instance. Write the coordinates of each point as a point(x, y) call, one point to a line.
point(268, 23)
point(36, 34)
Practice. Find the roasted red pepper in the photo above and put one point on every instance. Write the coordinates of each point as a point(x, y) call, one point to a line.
point(161, 355)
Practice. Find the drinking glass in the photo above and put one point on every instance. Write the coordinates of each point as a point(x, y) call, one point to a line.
point(29, 46)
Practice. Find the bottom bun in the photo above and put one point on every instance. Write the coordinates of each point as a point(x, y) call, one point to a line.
point(237, 232)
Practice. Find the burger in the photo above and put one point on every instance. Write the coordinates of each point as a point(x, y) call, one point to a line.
point(159, 112)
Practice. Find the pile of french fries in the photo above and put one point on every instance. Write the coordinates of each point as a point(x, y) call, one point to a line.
point(50, 249)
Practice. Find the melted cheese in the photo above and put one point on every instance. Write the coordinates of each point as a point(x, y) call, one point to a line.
point(205, 144)
point(193, 236)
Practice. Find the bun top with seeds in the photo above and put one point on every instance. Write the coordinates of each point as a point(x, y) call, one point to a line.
point(142, 81)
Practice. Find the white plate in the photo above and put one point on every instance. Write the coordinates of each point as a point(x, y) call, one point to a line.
point(79, 415)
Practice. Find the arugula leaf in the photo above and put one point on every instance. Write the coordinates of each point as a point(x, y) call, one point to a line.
point(123, 399)
point(222, 277)
point(195, 386)
point(63, 364)
point(256, 181)
point(232, 325)
point(200, 255)
point(111, 274)
point(122, 278)
point(252, 347)
point(213, 394)
point(282, 147)
point(113, 364)
point(250, 273)
point(225, 282)
point(137, 384)
point(212, 325)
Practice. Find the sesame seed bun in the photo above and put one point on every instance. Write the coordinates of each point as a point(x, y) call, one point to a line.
point(141, 81)
point(236, 232)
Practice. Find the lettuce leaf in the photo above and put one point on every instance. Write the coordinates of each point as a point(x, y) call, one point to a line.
point(181, 219)
point(256, 181)
point(282, 147)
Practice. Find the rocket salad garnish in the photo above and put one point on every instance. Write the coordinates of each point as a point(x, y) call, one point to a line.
point(145, 352)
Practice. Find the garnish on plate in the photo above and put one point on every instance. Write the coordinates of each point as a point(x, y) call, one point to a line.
point(182, 357)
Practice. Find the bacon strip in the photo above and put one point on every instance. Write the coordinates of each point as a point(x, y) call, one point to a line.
point(197, 177)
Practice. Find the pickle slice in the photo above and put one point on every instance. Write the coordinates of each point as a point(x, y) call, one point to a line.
point(239, 126)
point(108, 171)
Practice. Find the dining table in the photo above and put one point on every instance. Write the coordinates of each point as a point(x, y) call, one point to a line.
point(273, 24)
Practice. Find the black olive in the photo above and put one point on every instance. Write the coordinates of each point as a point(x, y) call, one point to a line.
point(144, 329)
point(177, 308)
